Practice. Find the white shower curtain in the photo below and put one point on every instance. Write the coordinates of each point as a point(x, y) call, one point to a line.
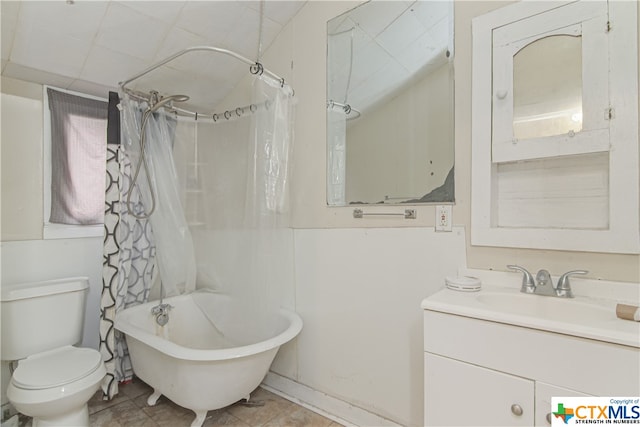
point(244, 245)
point(336, 156)
point(174, 245)
point(136, 250)
point(244, 242)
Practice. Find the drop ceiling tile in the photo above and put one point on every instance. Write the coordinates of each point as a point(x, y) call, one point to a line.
point(79, 20)
point(282, 11)
point(167, 11)
point(401, 33)
point(421, 52)
point(212, 20)
point(374, 17)
point(128, 31)
point(108, 67)
point(367, 62)
point(442, 33)
point(53, 52)
point(177, 40)
point(429, 13)
point(245, 35)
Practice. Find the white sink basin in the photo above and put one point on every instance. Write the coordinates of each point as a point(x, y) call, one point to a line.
point(550, 308)
point(592, 316)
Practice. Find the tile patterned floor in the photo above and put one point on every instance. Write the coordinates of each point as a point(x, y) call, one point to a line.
point(129, 409)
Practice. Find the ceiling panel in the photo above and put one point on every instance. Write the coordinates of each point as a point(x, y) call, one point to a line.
point(93, 45)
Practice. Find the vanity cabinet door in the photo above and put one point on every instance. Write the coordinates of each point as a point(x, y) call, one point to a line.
point(544, 393)
point(461, 394)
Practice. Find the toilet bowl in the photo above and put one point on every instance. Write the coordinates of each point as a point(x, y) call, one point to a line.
point(53, 380)
point(54, 387)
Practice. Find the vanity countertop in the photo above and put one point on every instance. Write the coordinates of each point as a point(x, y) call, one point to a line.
point(591, 314)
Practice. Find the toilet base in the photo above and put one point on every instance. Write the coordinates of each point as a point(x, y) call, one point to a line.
point(79, 417)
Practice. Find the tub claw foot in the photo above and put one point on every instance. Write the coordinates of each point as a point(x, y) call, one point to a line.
point(252, 403)
point(153, 399)
point(200, 416)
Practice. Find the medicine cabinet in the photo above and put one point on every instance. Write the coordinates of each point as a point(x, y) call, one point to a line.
point(555, 127)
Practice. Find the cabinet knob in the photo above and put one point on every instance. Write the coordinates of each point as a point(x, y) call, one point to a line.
point(516, 409)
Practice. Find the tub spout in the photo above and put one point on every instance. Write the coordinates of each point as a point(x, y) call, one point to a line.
point(161, 312)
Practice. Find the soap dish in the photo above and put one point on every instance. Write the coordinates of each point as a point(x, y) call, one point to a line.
point(463, 283)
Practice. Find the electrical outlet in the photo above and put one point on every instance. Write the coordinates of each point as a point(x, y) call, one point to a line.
point(443, 217)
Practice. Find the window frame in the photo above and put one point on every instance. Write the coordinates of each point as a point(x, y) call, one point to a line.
point(54, 230)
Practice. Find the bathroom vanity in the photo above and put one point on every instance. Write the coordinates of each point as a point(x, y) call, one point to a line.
point(498, 356)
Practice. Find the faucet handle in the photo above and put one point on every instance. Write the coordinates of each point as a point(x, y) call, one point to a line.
point(563, 281)
point(528, 284)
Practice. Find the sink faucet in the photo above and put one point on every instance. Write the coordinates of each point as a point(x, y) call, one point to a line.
point(543, 285)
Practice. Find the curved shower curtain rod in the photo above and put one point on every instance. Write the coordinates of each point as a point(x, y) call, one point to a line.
point(255, 68)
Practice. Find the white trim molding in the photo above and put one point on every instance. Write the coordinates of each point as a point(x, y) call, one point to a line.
point(330, 407)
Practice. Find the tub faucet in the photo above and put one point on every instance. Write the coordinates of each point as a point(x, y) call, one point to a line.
point(543, 284)
point(161, 312)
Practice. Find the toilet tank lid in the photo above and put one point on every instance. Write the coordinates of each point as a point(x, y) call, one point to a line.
point(20, 291)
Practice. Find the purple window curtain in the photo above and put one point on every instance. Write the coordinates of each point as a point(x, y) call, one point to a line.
point(78, 156)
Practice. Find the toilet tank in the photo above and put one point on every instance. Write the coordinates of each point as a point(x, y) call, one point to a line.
point(41, 316)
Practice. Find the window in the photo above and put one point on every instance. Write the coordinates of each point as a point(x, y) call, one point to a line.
point(74, 164)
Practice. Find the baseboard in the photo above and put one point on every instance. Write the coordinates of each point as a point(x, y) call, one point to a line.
point(335, 409)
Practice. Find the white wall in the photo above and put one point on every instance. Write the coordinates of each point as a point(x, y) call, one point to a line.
point(336, 271)
point(358, 288)
point(299, 54)
point(24, 255)
point(359, 292)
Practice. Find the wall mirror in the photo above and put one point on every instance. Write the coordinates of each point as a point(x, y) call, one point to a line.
point(390, 127)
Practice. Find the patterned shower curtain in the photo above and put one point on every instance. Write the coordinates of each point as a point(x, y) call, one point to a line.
point(128, 267)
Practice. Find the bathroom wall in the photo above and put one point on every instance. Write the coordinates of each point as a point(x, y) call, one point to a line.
point(308, 59)
point(359, 283)
point(25, 256)
point(342, 263)
point(601, 265)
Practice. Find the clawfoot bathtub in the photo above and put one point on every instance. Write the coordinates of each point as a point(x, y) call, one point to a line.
point(211, 353)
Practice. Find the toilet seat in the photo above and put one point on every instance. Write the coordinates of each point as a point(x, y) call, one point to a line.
point(56, 368)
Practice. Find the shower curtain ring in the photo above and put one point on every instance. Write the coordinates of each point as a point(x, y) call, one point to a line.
point(256, 68)
point(227, 114)
point(253, 108)
point(347, 108)
point(215, 117)
point(239, 111)
point(282, 82)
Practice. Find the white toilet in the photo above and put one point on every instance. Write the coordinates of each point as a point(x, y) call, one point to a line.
point(41, 323)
